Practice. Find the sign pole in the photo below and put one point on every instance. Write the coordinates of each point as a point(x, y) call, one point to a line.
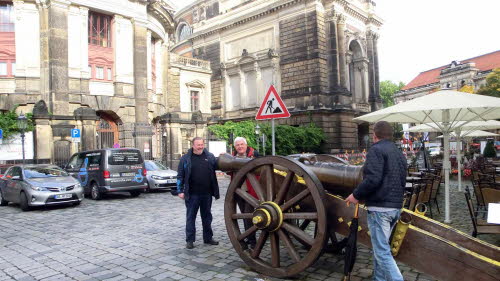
point(272, 126)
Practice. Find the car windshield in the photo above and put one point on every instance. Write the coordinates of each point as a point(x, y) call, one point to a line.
point(154, 166)
point(44, 172)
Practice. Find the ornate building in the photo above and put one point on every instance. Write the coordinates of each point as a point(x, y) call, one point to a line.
point(130, 73)
point(469, 74)
point(100, 66)
point(321, 56)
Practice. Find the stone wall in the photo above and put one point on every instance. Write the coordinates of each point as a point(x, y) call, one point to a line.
point(304, 71)
point(211, 53)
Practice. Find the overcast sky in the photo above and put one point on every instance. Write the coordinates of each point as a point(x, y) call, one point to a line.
point(425, 34)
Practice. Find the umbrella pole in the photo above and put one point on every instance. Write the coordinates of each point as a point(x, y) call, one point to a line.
point(446, 165)
point(459, 159)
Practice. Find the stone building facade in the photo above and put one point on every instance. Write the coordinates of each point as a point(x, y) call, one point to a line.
point(321, 56)
point(99, 66)
point(468, 75)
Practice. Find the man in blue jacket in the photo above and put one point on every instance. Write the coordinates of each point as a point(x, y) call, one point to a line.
point(382, 188)
point(196, 184)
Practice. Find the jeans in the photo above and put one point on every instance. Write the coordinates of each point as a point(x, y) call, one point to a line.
point(384, 265)
point(204, 203)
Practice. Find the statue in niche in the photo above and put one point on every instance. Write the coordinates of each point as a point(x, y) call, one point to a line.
point(244, 53)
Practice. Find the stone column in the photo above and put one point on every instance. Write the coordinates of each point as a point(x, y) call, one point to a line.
point(140, 72)
point(225, 95)
point(149, 59)
point(342, 51)
point(259, 87)
point(42, 134)
point(58, 56)
point(376, 69)
point(87, 117)
point(243, 90)
point(142, 132)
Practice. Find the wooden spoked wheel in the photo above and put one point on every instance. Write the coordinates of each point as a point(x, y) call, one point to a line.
point(273, 216)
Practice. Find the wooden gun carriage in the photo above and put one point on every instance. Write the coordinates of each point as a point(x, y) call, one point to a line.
point(300, 206)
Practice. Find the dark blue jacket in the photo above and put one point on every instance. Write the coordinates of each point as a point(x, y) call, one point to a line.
point(384, 176)
point(184, 173)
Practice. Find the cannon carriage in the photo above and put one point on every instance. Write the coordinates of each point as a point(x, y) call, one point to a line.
point(299, 208)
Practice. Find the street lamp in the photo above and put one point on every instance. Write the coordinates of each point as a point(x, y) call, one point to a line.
point(22, 123)
point(257, 132)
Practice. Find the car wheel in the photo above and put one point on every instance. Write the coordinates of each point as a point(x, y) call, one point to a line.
point(2, 201)
point(94, 192)
point(23, 202)
point(135, 193)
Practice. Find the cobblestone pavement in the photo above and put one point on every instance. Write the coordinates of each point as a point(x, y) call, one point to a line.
point(123, 238)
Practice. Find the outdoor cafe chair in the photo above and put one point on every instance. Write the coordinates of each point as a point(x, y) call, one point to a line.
point(479, 226)
point(490, 195)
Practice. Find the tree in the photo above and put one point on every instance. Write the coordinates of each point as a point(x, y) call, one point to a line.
point(387, 91)
point(289, 139)
point(492, 87)
point(8, 122)
point(489, 150)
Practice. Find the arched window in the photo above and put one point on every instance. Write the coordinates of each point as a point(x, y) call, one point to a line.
point(184, 32)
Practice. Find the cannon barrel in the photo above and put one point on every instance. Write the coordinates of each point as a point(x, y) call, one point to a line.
point(337, 178)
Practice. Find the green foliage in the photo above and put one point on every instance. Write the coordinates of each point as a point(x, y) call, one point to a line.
point(492, 87)
point(8, 123)
point(387, 91)
point(289, 139)
point(489, 150)
point(397, 131)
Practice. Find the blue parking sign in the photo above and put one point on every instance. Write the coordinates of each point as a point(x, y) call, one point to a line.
point(1, 134)
point(75, 133)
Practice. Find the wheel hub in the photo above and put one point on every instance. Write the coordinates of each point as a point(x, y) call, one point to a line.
point(268, 216)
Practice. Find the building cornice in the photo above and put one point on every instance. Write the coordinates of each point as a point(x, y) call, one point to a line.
point(270, 9)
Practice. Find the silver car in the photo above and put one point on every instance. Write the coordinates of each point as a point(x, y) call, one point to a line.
point(159, 176)
point(39, 185)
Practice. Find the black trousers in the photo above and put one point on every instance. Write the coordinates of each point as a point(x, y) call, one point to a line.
point(203, 202)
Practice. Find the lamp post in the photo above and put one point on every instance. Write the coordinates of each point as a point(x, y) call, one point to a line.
point(22, 123)
point(257, 133)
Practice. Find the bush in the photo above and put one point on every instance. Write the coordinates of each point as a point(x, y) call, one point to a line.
point(489, 150)
point(289, 139)
point(8, 123)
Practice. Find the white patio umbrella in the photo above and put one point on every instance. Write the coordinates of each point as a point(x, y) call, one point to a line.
point(443, 108)
point(460, 130)
point(473, 134)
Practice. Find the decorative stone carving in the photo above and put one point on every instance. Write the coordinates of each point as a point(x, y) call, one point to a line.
point(271, 53)
point(40, 110)
point(244, 53)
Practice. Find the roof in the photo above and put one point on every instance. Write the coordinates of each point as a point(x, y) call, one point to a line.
point(483, 63)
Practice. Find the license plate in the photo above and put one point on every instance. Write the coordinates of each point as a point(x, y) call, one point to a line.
point(172, 181)
point(128, 174)
point(63, 196)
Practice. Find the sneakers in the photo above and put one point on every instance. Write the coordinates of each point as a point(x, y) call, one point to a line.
point(189, 245)
point(212, 242)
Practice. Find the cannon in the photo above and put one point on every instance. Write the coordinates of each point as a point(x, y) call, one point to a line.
point(299, 207)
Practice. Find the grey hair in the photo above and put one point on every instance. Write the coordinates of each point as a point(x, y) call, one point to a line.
point(240, 139)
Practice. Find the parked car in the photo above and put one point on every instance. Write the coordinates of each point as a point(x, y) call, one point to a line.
point(109, 170)
point(159, 176)
point(497, 145)
point(38, 185)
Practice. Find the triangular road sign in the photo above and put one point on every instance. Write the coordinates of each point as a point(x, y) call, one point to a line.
point(272, 106)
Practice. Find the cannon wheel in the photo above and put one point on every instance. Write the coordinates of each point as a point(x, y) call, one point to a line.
point(273, 218)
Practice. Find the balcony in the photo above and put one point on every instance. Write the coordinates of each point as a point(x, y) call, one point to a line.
point(190, 63)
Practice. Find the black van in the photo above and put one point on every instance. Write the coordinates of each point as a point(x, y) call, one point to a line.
point(109, 170)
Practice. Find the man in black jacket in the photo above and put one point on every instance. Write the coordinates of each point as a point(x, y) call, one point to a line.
point(382, 188)
point(196, 184)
